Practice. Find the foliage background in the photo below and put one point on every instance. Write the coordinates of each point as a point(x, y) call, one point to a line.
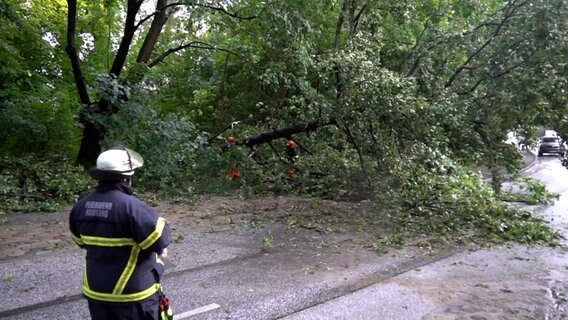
point(416, 94)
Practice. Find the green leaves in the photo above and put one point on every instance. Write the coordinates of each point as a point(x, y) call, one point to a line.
point(168, 142)
point(531, 191)
point(420, 91)
point(29, 185)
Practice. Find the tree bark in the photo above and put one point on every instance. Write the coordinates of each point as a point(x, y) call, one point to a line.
point(72, 53)
point(156, 27)
point(89, 148)
point(128, 35)
point(287, 132)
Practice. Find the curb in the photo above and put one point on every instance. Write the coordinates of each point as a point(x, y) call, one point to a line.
point(532, 164)
point(523, 169)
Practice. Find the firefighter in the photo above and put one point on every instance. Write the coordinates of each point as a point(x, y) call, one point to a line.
point(292, 151)
point(229, 143)
point(124, 239)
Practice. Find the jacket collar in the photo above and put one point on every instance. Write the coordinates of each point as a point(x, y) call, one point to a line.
point(114, 185)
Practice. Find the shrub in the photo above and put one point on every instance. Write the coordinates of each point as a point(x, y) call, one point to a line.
point(28, 184)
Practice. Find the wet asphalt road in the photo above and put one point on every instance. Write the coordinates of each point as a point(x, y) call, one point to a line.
point(232, 276)
point(504, 282)
point(242, 283)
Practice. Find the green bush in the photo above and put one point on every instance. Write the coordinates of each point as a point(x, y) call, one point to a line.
point(30, 185)
point(34, 126)
point(167, 142)
point(447, 199)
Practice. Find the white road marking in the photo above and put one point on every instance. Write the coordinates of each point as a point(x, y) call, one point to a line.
point(193, 312)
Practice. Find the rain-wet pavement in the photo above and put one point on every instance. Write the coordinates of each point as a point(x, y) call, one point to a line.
point(509, 281)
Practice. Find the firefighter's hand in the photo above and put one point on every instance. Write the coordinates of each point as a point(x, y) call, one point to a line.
point(164, 253)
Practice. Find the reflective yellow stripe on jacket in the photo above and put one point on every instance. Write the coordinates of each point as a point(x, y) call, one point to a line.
point(155, 235)
point(110, 297)
point(77, 240)
point(117, 295)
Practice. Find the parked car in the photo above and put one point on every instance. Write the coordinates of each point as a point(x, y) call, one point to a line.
point(550, 145)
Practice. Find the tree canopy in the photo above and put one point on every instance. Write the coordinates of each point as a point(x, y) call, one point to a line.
point(398, 96)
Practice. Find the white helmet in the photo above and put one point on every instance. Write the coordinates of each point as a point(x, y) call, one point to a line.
point(117, 162)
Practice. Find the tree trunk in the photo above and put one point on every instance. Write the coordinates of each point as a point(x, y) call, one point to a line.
point(128, 35)
point(89, 148)
point(90, 144)
point(93, 133)
point(156, 27)
point(287, 132)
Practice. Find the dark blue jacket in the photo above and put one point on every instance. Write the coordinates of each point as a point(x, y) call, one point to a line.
point(122, 237)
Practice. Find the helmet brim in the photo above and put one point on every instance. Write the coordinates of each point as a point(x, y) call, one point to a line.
point(109, 175)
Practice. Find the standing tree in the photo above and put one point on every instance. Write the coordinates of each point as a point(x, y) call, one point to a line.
point(133, 29)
